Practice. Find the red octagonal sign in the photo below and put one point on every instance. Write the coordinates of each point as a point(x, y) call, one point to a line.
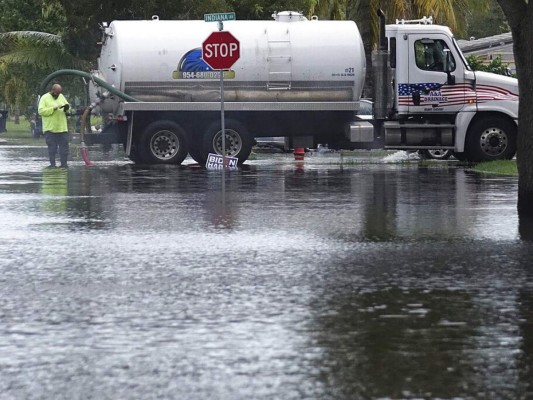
point(220, 50)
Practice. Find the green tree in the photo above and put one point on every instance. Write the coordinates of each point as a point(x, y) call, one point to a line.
point(26, 54)
point(28, 15)
point(519, 14)
point(452, 13)
point(17, 91)
point(495, 66)
point(327, 9)
point(488, 23)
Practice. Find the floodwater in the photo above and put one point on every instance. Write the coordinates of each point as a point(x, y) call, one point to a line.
point(282, 280)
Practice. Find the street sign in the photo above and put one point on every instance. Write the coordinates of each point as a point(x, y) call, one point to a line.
point(220, 50)
point(229, 16)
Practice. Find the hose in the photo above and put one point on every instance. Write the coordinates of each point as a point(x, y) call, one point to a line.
point(83, 127)
point(86, 112)
point(87, 75)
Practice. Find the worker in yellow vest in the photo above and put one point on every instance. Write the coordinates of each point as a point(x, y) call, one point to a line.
point(53, 108)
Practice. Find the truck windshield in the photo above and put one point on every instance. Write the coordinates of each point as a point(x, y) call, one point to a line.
point(467, 66)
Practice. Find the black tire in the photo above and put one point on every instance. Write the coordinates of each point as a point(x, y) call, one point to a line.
point(162, 142)
point(238, 141)
point(435, 154)
point(491, 138)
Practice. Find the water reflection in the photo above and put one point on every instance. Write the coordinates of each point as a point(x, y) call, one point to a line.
point(55, 190)
point(372, 204)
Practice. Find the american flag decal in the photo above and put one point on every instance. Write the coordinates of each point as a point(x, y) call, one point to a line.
point(407, 89)
point(437, 94)
point(487, 93)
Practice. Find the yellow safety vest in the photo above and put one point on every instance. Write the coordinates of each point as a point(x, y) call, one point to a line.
point(53, 120)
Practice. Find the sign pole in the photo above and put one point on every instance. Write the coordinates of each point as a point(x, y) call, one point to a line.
point(222, 122)
point(220, 51)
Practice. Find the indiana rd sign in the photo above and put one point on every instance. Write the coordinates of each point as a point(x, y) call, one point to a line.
point(229, 16)
point(220, 50)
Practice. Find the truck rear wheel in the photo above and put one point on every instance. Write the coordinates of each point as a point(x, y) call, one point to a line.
point(491, 138)
point(238, 143)
point(163, 142)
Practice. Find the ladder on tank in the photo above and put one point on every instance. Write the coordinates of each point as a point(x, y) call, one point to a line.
point(279, 59)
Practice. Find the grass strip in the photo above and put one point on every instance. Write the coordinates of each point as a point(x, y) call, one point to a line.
point(499, 167)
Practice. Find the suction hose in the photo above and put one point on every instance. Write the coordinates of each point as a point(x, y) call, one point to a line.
point(87, 111)
point(83, 74)
point(83, 127)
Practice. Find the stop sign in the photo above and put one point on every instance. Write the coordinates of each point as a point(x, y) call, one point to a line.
point(220, 50)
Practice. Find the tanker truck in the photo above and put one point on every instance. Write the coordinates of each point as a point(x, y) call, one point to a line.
point(301, 79)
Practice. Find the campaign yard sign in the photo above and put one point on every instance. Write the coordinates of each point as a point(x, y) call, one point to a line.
point(215, 161)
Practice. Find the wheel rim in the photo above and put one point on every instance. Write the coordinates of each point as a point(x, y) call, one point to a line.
point(439, 153)
point(233, 143)
point(164, 145)
point(493, 141)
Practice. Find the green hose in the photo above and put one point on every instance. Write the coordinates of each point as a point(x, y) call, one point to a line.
point(83, 74)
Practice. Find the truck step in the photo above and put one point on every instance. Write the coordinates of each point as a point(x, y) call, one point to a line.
point(437, 147)
point(394, 125)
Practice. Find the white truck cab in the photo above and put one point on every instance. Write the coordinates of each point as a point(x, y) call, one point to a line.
point(437, 101)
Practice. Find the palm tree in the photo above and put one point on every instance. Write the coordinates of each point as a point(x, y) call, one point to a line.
point(328, 9)
point(452, 13)
point(25, 58)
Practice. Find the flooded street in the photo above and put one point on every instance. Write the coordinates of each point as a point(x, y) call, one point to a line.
point(286, 280)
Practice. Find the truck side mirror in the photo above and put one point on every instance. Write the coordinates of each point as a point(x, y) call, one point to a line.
point(448, 68)
point(451, 79)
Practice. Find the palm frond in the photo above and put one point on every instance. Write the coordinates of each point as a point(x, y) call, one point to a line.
point(37, 49)
point(42, 38)
point(37, 57)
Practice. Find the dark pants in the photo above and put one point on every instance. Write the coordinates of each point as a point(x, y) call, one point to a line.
point(57, 142)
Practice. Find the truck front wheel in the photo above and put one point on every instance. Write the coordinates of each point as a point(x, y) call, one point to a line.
point(163, 142)
point(237, 140)
point(491, 138)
